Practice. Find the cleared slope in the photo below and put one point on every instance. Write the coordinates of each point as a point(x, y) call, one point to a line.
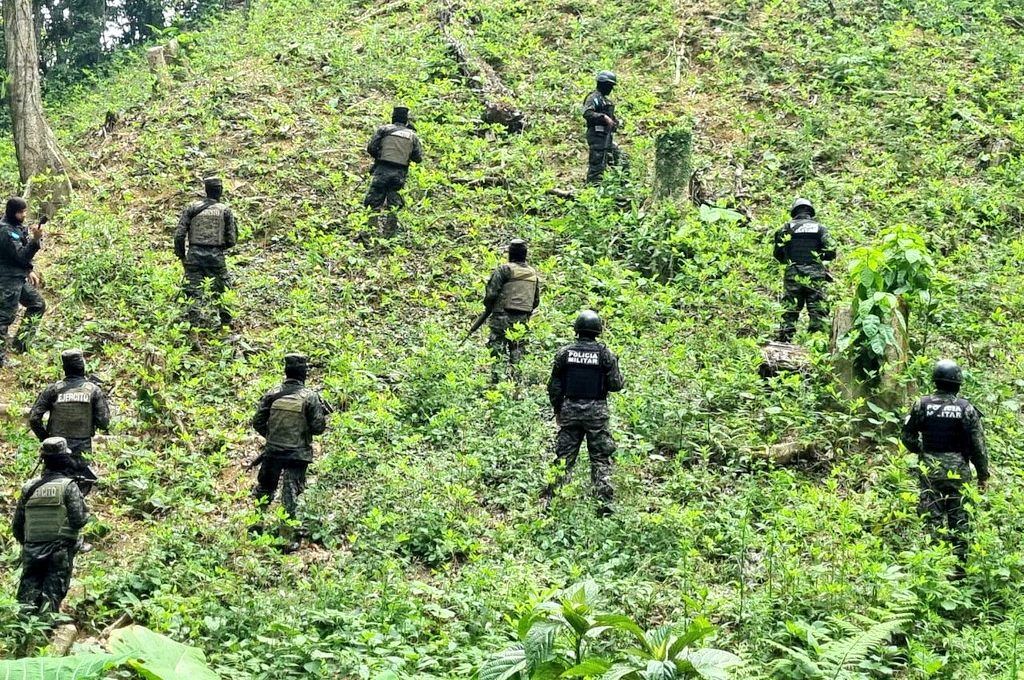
point(424, 496)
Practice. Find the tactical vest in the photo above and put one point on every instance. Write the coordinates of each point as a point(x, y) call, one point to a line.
point(602, 105)
point(71, 413)
point(804, 242)
point(288, 428)
point(519, 292)
point(46, 516)
point(584, 374)
point(397, 146)
point(207, 227)
point(942, 425)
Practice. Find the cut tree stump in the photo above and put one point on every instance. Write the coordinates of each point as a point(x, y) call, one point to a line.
point(785, 453)
point(783, 357)
point(673, 166)
point(158, 66)
point(890, 392)
point(63, 639)
point(497, 98)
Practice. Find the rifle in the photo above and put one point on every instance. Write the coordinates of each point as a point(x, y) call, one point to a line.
point(477, 322)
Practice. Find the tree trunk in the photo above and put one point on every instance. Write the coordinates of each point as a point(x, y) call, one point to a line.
point(41, 164)
point(673, 166)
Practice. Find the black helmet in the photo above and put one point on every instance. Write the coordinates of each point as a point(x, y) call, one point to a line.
point(947, 373)
point(607, 77)
point(517, 250)
point(588, 324)
point(73, 361)
point(54, 446)
point(801, 205)
point(400, 115)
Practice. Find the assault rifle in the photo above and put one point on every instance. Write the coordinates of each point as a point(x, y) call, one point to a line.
point(477, 322)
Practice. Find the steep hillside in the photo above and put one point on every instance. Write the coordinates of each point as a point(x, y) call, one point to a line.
point(424, 500)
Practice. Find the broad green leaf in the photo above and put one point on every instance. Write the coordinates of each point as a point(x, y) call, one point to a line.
point(158, 657)
point(621, 672)
point(79, 667)
point(587, 668)
point(623, 623)
point(504, 665)
point(713, 664)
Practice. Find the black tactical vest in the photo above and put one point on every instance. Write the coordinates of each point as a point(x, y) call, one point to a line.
point(584, 372)
point(71, 413)
point(942, 425)
point(287, 427)
point(207, 227)
point(804, 242)
point(46, 516)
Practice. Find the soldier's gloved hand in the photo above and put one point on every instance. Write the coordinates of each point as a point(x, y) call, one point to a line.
point(36, 232)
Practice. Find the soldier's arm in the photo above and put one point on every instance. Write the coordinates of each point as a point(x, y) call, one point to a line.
point(779, 251)
point(230, 229)
point(613, 376)
point(977, 452)
point(911, 436)
point(78, 514)
point(417, 150)
point(316, 414)
point(100, 410)
point(39, 409)
point(17, 250)
point(261, 421)
point(373, 148)
point(18, 523)
point(827, 251)
point(497, 281)
point(181, 231)
point(590, 113)
point(556, 383)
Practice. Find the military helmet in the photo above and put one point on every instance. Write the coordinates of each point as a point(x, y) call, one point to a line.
point(54, 446)
point(947, 371)
point(517, 249)
point(295, 360)
point(588, 323)
point(801, 203)
point(607, 77)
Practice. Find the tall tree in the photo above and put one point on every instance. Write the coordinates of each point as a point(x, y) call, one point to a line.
point(41, 164)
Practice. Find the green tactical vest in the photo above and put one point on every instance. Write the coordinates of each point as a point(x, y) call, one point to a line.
point(397, 146)
point(46, 516)
point(207, 228)
point(287, 427)
point(71, 414)
point(520, 291)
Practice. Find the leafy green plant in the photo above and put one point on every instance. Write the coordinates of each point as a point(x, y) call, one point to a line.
point(889, 276)
point(561, 638)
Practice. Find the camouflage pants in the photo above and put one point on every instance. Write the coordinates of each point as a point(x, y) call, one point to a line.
point(798, 292)
point(45, 578)
point(601, 156)
point(385, 184)
point(289, 474)
point(942, 504)
point(14, 292)
point(195, 289)
point(506, 352)
point(600, 448)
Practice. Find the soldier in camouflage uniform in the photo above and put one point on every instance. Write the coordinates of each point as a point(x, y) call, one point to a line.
point(47, 519)
point(803, 245)
point(512, 295)
point(18, 283)
point(77, 408)
point(583, 374)
point(393, 147)
point(599, 113)
point(288, 417)
point(945, 432)
point(209, 227)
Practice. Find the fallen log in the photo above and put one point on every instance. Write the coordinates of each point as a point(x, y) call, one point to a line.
point(780, 357)
point(497, 98)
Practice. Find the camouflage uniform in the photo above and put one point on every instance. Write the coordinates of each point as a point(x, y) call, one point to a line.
point(210, 229)
point(47, 519)
point(946, 433)
point(287, 417)
point(803, 245)
point(583, 374)
point(393, 147)
point(512, 293)
point(16, 252)
point(77, 408)
point(603, 151)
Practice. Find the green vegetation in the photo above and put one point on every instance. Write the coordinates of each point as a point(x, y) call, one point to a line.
point(431, 542)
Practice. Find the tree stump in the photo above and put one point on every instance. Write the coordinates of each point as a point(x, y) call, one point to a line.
point(673, 164)
point(890, 391)
point(783, 357)
point(156, 57)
